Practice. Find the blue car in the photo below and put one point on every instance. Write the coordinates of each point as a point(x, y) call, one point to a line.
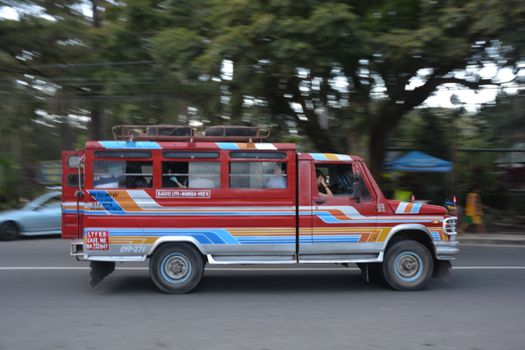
point(42, 216)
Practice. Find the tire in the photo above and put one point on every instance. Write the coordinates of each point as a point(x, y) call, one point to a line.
point(9, 231)
point(176, 269)
point(407, 265)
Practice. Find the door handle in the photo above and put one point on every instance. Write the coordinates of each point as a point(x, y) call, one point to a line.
point(319, 200)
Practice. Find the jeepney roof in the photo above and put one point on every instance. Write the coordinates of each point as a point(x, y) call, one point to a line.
point(153, 145)
point(329, 157)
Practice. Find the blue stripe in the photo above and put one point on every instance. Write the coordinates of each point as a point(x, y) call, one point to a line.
point(205, 235)
point(130, 145)
point(326, 217)
point(72, 211)
point(349, 239)
point(227, 145)
point(415, 208)
point(167, 213)
point(318, 156)
point(107, 201)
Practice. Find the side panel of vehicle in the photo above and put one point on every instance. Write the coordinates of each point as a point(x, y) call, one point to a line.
point(72, 206)
point(42, 221)
point(341, 225)
point(232, 225)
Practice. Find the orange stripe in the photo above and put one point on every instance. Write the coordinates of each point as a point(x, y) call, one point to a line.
point(408, 208)
point(364, 237)
point(126, 202)
point(331, 156)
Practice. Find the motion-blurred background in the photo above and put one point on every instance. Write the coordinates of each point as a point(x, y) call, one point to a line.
point(375, 78)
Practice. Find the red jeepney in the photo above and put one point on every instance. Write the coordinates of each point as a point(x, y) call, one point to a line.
point(185, 201)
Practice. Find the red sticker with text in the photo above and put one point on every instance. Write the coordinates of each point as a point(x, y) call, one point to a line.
point(97, 240)
point(183, 194)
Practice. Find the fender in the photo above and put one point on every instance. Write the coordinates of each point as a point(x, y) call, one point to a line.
point(407, 227)
point(176, 239)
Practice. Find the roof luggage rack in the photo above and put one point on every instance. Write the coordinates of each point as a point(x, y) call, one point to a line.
point(151, 132)
point(185, 133)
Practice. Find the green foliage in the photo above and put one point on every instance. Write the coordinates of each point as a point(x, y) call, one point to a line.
point(166, 65)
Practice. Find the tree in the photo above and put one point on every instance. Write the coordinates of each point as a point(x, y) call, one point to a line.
point(374, 45)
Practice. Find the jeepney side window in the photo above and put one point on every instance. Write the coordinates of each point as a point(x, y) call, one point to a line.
point(257, 175)
point(191, 174)
point(122, 174)
point(340, 178)
point(72, 180)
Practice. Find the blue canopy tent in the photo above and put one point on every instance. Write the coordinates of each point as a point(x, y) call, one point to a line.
point(419, 162)
point(416, 161)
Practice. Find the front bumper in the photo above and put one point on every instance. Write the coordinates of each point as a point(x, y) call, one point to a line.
point(446, 250)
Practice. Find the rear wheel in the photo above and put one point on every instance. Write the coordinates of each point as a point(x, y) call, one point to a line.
point(408, 265)
point(9, 231)
point(176, 269)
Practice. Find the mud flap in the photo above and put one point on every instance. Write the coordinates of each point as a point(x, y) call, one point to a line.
point(99, 270)
point(442, 269)
point(364, 272)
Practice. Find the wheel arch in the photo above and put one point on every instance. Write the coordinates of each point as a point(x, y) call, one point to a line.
point(17, 224)
point(187, 240)
point(416, 232)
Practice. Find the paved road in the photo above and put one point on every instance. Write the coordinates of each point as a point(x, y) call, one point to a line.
point(481, 307)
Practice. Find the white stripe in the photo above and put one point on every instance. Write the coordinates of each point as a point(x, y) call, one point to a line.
point(143, 199)
point(51, 268)
point(496, 245)
point(73, 203)
point(343, 157)
point(401, 208)
point(265, 146)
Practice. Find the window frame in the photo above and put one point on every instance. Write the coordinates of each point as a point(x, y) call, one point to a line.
point(353, 165)
point(252, 160)
point(141, 160)
point(187, 160)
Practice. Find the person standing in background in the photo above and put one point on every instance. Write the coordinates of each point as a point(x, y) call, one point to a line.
point(474, 211)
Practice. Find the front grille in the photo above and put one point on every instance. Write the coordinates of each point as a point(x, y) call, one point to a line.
point(449, 226)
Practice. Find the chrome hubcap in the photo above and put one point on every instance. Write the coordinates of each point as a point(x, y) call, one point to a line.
point(176, 267)
point(408, 266)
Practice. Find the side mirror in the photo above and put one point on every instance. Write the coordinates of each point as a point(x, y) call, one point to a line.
point(79, 194)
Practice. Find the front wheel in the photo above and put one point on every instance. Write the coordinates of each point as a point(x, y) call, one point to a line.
point(176, 269)
point(407, 265)
point(9, 231)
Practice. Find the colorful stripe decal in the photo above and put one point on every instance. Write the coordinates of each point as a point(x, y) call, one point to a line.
point(227, 145)
point(222, 235)
point(140, 203)
point(237, 146)
point(408, 208)
point(250, 235)
point(330, 156)
point(130, 145)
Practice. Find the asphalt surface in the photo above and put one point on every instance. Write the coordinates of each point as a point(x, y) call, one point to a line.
point(45, 303)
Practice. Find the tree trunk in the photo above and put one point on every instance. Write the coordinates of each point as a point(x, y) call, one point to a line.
point(377, 148)
point(386, 120)
point(97, 117)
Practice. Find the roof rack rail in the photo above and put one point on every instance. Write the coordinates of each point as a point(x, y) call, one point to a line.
point(151, 132)
point(168, 132)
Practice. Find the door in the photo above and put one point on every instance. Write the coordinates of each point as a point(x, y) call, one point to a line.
point(72, 181)
point(342, 222)
point(42, 215)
